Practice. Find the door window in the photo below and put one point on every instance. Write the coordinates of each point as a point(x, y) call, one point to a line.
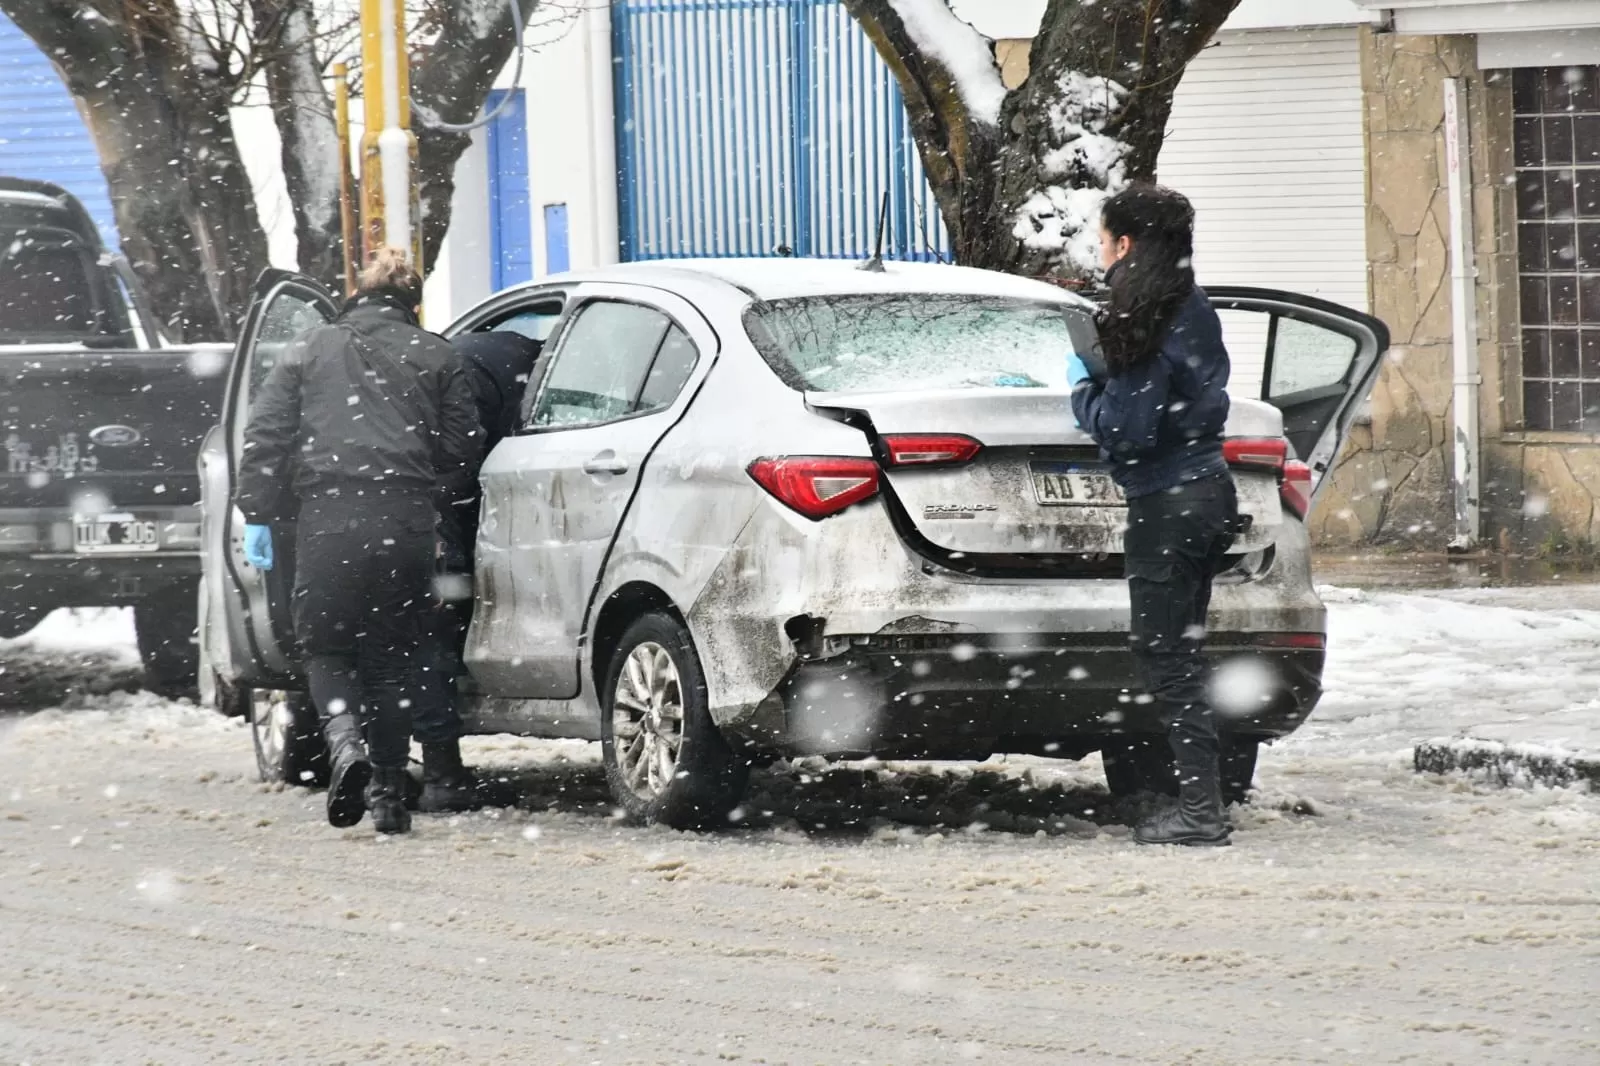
point(1306, 358)
point(285, 318)
point(534, 323)
point(673, 364)
point(601, 366)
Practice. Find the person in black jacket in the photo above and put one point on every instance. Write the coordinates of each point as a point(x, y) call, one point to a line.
point(497, 367)
point(368, 425)
point(1158, 409)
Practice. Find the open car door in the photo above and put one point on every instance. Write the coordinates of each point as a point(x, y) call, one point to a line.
point(1318, 363)
point(285, 306)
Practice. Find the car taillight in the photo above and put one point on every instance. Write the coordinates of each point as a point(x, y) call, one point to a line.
point(1256, 453)
point(929, 449)
point(817, 486)
point(1296, 487)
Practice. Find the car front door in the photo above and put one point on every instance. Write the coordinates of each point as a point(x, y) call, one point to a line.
point(555, 494)
point(1319, 361)
point(286, 305)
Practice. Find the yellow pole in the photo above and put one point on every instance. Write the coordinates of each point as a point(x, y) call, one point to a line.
point(347, 192)
point(389, 212)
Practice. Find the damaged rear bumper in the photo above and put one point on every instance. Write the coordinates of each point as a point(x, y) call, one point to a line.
point(834, 639)
point(959, 698)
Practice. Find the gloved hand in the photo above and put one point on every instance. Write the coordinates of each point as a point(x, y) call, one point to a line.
point(1077, 370)
point(258, 546)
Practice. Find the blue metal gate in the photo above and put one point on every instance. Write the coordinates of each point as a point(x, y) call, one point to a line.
point(761, 128)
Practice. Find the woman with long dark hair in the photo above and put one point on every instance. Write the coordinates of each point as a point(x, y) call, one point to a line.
point(1157, 411)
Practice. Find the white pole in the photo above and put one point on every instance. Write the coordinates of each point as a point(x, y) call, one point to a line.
point(394, 144)
point(1463, 322)
point(602, 136)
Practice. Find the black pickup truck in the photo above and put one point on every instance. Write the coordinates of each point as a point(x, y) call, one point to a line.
point(101, 421)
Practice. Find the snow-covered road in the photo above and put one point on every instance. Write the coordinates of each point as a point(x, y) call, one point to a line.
point(158, 905)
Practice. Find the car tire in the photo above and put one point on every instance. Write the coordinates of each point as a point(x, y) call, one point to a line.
point(164, 624)
point(666, 761)
point(287, 738)
point(1136, 764)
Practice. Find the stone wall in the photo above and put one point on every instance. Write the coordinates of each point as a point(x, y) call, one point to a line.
point(1392, 482)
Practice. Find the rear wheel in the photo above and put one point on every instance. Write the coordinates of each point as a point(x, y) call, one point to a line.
point(164, 623)
point(288, 738)
point(666, 761)
point(1136, 764)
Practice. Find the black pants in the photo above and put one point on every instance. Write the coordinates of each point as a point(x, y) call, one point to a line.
point(1176, 543)
point(437, 717)
point(362, 596)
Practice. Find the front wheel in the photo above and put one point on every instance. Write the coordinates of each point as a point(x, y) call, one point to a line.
point(666, 761)
point(288, 738)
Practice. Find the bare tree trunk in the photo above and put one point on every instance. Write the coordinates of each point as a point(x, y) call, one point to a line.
point(182, 198)
point(451, 81)
point(286, 31)
point(1020, 193)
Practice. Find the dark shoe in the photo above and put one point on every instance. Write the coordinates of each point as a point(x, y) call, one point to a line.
point(1197, 821)
point(448, 787)
point(387, 799)
point(350, 773)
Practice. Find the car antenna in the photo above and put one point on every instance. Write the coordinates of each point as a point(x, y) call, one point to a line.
point(875, 264)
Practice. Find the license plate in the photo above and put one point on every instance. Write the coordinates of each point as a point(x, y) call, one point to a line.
point(1069, 485)
point(115, 533)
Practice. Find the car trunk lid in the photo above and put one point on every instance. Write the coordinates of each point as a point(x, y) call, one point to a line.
point(1032, 493)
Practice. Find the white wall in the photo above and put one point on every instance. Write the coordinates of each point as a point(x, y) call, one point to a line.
point(572, 135)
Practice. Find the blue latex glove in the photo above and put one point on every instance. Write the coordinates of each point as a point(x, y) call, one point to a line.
point(1077, 370)
point(258, 546)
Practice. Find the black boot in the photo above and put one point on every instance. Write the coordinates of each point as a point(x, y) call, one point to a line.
point(1197, 821)
point(448, 787)
point(387, 798)
point(350, 772)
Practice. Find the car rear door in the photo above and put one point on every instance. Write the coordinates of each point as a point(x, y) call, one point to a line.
point(285, 306)
point(1319, 362)
point(619, 377)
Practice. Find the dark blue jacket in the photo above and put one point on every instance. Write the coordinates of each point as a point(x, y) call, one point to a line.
point(1160, 425)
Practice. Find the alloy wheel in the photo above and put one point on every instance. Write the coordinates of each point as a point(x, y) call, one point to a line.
point(647, 720)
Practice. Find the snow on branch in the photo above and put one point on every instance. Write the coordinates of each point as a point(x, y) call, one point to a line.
point(1085, 167)
point(961, 50)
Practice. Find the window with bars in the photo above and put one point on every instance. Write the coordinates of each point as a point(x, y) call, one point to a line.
point(1557, 129)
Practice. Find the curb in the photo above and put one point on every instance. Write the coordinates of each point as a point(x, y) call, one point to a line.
point(1508, 765)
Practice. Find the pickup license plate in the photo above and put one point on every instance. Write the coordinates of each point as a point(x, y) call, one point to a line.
point(92, 534)
point(1072, 485)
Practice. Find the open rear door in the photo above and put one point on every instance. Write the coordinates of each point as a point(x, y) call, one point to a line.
point(285, 306)
point(1318, 359)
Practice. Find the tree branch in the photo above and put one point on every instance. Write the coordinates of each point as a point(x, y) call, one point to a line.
point(956, 145)
point(452, 79)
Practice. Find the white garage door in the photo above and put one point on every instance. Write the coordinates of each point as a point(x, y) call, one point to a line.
point(1266, 140)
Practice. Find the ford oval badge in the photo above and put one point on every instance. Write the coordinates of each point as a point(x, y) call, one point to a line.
point(115, 436)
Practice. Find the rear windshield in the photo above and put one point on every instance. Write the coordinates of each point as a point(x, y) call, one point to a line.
point(47, 293)
point(917, 341)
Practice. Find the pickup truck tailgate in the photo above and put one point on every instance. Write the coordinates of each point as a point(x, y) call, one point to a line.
point(108, 429)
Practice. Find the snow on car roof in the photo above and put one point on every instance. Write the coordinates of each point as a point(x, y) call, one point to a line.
point(780, 279)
